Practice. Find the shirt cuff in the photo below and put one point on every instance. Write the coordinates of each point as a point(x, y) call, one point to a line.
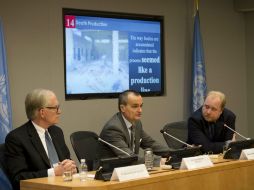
point(227, 143)
point(51, 172)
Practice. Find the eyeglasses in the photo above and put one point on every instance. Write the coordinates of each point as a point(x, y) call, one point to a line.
point(54, 108)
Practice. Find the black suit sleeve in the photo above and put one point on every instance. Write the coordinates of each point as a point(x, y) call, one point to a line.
point(26, 156)
point(198, 132)
point(198, 137)
point(20, 164)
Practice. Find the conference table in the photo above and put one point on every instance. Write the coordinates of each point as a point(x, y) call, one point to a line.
point(223, 175)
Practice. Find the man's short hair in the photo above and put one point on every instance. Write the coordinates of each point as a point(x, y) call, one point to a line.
point(35, 100)
point(123, 97)
point(220, 95)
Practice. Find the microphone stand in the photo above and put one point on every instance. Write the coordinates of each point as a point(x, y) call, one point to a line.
point(111, 145)
point(188, 145)
point(236, 132)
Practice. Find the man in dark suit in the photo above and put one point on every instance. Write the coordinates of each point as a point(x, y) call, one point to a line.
point(4, 181)
point(30, 151)
point(125, 131)
point(206, 125)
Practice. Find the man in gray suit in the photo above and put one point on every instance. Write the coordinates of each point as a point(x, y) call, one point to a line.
point(125, 124)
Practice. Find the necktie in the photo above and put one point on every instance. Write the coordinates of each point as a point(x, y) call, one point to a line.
point(132, 138)
point(211, 130)
point(53, 158)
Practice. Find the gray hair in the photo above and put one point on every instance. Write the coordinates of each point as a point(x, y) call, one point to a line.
point(36, 100)
point(220, 95)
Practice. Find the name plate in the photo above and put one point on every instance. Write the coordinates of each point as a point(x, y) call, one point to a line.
point(247, 154)
point(129, 172)
point(196, 162)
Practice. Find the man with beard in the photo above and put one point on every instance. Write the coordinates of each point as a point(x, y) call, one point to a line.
point(206, 126)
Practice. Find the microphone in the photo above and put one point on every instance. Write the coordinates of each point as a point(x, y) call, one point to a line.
point(111, 145)
point(188, 145)
point(225, 125)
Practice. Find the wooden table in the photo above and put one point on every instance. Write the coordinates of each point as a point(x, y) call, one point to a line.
point(232, 175)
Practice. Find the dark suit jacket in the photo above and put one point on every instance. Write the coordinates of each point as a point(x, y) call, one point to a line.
point(198, 132)
point(25, 154)
point(115, 132)
point(4, 181)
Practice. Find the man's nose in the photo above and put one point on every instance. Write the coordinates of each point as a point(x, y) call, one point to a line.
point(208, 110)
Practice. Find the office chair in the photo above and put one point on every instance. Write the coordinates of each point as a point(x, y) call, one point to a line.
point(86, 145)
point(4, 180)
point(177, 129)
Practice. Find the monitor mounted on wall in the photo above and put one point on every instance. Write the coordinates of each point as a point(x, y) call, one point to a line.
point(106, 53)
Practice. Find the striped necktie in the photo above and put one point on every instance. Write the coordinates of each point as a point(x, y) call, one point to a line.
point(52, 154)
point(132, 138)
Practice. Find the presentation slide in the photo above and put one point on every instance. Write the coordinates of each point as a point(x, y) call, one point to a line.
point(110, 55)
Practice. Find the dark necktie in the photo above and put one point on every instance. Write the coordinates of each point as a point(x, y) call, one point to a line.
point(53, 158)
point(132, 138)
point(211, 130)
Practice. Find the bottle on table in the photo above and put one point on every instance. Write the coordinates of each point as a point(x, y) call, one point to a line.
point(83, 170)
point(149, 158)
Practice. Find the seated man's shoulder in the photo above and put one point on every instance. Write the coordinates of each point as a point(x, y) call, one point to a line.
point(55, 128)
point(196, 114)
point(19, 131)
point(229, 113)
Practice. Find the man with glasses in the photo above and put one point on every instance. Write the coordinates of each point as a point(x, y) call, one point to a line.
point(37, 148)
point(206, 126)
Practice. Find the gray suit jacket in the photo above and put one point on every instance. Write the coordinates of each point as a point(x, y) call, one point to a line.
point(115, 132)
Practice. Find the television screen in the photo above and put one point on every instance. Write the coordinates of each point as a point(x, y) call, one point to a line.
point(106, 53)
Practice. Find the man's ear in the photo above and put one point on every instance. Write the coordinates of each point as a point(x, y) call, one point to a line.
point(122, 108)
point(41, 113)
point(221, 111)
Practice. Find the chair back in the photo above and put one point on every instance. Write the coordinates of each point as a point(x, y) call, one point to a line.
point(86, 145)
point(177, 129)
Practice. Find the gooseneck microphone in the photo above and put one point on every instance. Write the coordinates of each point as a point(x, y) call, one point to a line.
point(113, 146)
point(225, 125)
point(188, 145)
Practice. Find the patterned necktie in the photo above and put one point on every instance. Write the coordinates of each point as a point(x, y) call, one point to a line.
point(53, 158)
point(132, 138)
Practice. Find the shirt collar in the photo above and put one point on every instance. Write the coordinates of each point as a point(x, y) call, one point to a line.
point(127, 123)
point(40, 130)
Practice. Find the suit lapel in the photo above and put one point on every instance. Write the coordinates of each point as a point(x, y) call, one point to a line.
point(36, 141)
point(125, 129)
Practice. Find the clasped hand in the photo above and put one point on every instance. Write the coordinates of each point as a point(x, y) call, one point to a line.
point(65, 165)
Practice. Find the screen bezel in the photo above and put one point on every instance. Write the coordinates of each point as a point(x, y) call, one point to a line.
point(118, 15)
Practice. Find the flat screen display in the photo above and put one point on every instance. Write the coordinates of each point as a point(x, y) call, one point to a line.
point(106, 53)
